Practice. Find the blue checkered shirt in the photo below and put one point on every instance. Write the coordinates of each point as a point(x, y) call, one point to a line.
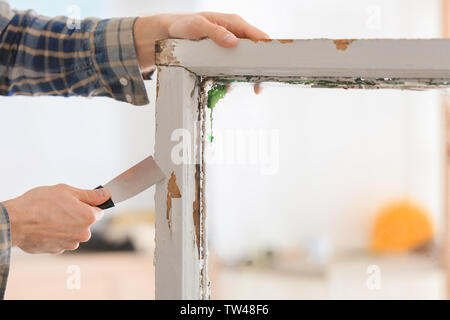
point(63, 57)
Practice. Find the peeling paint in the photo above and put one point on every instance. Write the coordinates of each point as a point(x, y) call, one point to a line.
point(342, 44)
point(262, 40)
point(196, 207)
point(335, 83)
point(164, 53)
point(157, 83)
point(204, 280)
point(342, 82)
point(172, 192)
point(284, 41)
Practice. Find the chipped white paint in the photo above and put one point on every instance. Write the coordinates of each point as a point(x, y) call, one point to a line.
point(178, 261)
point(375, 58)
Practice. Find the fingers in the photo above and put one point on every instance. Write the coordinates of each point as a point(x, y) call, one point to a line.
point(86, 210)
point(56, 252)
point(93, 197)
point(222, 36)
point(83, 236)
point(59, 217)
point(245, 30)
point(65, 246)
point(223, 29)
point(257, 88)
point(217, 33)
point(236, 24)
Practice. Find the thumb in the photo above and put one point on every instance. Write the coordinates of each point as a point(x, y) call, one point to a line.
point(94, 197)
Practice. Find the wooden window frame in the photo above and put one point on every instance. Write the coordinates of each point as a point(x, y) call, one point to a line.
point(185, 70)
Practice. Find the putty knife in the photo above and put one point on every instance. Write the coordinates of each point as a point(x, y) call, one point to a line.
point(132, 182)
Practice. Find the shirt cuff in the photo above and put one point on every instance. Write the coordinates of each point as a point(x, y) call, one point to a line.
point(114, 56)
point(5, 249)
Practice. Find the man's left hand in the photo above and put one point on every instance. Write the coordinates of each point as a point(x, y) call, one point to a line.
point(223, 29)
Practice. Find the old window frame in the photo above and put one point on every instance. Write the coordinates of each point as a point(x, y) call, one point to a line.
point(187, 67)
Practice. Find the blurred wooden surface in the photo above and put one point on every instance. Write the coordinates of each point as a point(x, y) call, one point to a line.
point(131, 276)
point(103, 276)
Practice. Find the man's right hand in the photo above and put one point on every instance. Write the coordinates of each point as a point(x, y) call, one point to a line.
point(53, 219)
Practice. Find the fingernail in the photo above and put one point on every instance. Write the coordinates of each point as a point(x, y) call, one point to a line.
point(101, 192)
point(229, 38)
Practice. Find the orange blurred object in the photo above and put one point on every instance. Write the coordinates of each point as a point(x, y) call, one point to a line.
point(401, 226)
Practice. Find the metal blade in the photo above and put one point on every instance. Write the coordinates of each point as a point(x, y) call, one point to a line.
point(135, 180)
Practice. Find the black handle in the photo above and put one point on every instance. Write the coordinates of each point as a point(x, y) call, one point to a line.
point(106, 205)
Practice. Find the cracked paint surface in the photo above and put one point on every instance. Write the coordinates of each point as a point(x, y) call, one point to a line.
point(200, 203)
point(172, 192)
point(196, 207)
point(284, 41)
point(342, 44)
point(342, 82)
point(164, 53)
point(157, 83)
point(262, 40)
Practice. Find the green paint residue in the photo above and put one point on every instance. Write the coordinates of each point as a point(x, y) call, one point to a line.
point(217, 92)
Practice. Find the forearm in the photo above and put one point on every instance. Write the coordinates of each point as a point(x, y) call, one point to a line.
point(43, 56)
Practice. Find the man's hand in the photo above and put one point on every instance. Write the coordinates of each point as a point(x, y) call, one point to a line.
point(54, 219)
point(223, 29)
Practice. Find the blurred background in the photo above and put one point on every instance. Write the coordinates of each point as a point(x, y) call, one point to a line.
point(345, 201)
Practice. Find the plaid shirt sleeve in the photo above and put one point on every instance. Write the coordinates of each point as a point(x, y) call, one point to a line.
point(59, 57)
point(62, 57)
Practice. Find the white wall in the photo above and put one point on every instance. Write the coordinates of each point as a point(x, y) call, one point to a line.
point(342, 153)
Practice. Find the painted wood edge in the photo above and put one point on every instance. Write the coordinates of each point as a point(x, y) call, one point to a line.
point(424, 59)
point(180, 256)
